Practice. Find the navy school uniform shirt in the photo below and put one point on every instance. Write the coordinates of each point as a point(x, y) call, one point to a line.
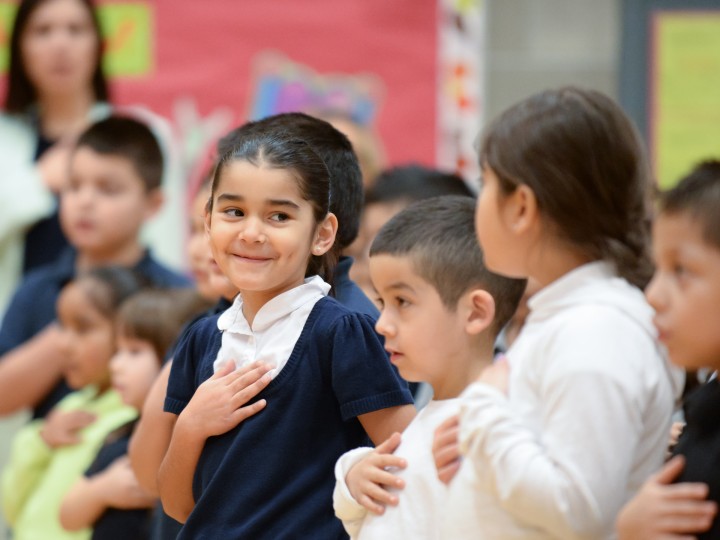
point(700, 444)
point(116, 523)
point(272, 476)
point(32, 307)
point(348, 293)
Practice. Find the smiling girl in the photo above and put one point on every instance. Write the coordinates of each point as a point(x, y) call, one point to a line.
point(266, 469)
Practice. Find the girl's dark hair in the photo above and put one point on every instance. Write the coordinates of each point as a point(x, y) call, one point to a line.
point(21, 93)
point(586, 165)
point(265, 145)
point(158, 316)
point(108, 287)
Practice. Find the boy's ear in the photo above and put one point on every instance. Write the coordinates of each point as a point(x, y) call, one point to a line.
point(479, 311)
point(325, 235)
point(155, 200)
point(521, 210)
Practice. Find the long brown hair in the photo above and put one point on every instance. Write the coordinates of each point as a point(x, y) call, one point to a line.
point(586, 165)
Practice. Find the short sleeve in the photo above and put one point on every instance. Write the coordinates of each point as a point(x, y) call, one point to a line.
point(362, 377)
point(192, 363)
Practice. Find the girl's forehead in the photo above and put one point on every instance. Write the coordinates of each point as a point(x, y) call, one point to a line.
point(247, 179)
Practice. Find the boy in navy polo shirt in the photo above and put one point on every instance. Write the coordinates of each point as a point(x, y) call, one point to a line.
point(114, 188)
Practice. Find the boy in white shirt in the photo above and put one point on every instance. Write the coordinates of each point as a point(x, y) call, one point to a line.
point(441, 313)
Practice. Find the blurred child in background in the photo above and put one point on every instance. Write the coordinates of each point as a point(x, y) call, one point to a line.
point(109, 499)
point(50, 454)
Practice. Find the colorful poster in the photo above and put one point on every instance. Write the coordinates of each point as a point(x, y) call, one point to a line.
point(685, 92)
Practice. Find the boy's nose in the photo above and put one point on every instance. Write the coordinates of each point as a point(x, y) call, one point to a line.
point(654, 292)
point(383, 325)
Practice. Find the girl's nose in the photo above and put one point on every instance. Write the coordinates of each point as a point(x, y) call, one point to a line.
point(252, 231)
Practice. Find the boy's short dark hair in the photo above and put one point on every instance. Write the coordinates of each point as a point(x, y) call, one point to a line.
point(438, 234)
point(698, 196)
point(414, 183)
point(130, 139)
point(334, 148)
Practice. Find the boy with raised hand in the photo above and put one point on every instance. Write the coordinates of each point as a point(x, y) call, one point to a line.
point(114, 188)
point(441, 312)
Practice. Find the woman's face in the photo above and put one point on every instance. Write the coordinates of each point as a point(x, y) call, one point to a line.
point(59, 47)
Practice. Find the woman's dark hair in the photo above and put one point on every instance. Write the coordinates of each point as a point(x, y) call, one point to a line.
point(268, 146)
point(586, 165)
point(21, 93)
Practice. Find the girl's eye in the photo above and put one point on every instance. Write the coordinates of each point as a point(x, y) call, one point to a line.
point(380, 303)
point(279, 216)
point(234, 212)
point(401, 302)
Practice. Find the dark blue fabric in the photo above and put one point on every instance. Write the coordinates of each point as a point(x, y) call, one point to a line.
point(116, 524)
point(45, 241)
point(700, 444)
point(32, 307)
point(272, 476)
point(348, 293)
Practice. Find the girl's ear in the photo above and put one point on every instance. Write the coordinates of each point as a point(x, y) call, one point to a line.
point(206, 219)
point(521, 210)
point(325, 235)
point(479, 311)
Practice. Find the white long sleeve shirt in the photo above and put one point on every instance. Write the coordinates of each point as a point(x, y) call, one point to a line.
point(419, 511)
point(585, 422)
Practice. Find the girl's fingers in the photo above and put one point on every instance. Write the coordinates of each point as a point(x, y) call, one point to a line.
point(239, 381)
point(448, 472)
point(446, 455)
point(243, 413)
point(227, 368)
point(247, 392)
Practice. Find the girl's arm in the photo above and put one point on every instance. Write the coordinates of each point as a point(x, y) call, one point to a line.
point(380, 425)
point(570, 478)
point(89, 498)
point(216, 407)
point(30, 371)
point(152, 435)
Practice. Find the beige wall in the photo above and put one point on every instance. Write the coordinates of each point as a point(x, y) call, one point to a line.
point(538, 44)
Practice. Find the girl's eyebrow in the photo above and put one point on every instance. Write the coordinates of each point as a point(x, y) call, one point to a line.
point(284, 202)
point(273, 202)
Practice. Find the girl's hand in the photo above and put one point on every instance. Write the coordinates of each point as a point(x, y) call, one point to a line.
point(61, 428)
point(446, 450)
point(217, 405)
point(368, 478)
point(120, 488)
point(497, 374)
point(662, 510)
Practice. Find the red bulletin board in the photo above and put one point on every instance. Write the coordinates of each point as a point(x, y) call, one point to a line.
point(164, 52)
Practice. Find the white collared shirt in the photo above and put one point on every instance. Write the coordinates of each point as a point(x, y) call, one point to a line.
point(275, 330)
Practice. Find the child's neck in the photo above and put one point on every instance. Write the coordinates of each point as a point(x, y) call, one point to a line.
point(462, 371)
point(127, 256)
point(553, 261)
